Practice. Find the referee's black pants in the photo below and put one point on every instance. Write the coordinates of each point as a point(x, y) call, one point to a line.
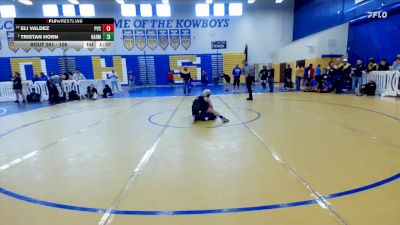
point(249, 84)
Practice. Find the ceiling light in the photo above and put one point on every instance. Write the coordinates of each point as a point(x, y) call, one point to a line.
point(278, 1)
point(235, 9)
point(7, 11)
point(121, 2)
point(202, 10)
point(26, 2)
point(128, 10)
point(251, 1)
point(87, 9)
point(219, 9)
point(75, 2)
point(50, 10)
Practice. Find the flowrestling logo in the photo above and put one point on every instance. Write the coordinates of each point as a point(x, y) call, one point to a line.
point(377, 15)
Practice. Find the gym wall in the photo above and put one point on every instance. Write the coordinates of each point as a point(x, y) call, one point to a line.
point(264, 27)
point(332, 41)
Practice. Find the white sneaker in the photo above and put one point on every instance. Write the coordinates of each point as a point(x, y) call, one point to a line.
point(192, 119)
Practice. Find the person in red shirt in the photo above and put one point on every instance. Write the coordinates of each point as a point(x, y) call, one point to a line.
point(171, 78)
point(311, 72)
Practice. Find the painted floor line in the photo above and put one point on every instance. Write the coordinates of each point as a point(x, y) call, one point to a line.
point(319, 199)
point(33, 153)
point(108, 216)
point(359, 132)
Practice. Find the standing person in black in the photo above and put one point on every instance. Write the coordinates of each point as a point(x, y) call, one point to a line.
point(287, 78)
point(337, 74)
point(356, 77)
point(270, 77)
point(17, 87)
point(203, 77)
point(263, 77)
point(250, 73)
point(346, 75)
point(185, 75)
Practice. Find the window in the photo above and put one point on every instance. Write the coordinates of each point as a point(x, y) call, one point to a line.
point(87, 10)
point(50, 10)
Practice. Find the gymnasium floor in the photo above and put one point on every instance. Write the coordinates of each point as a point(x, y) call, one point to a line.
point(284, 159)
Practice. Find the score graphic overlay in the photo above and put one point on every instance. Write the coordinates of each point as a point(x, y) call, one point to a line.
point(64, 33)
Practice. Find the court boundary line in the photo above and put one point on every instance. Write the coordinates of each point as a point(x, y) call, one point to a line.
point(353, 191)
point(3, 111)
point(208, 127)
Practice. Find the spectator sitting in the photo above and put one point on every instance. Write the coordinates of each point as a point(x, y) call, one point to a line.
point(383, 66)
point(310, 85)
point(107, 92)
point(369, 88)
point(70, 76)
point(170, 77)
point(64, 76)
point(396, 64)
point(91, 92)
point(372, 66)
point(78, 76)
point(322, 87)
